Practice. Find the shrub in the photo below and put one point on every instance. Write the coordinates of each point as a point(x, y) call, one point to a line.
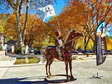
point(30, 60)
point(1, 48)
point(18, 50)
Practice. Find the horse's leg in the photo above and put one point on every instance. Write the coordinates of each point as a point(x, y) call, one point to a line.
point(66, 68)
point(70, 65)
point(47, 68)
point(50, 67)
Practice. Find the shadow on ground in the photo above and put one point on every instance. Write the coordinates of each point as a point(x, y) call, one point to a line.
point(23, 81)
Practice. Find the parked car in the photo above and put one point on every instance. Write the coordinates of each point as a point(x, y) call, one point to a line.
point(108, 51)
point(31, 50)
point(36, 52)
point(75, 52)
point(87, 51)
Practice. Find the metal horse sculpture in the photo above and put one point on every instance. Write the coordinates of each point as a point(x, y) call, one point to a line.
point(51, 54)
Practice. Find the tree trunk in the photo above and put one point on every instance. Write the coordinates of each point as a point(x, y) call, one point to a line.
point(19, 29)
point(25, 23)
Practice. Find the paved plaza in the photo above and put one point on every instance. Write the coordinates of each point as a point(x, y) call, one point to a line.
point(83, 70)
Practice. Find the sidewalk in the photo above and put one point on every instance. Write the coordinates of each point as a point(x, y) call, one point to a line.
point(4, 66)
point(35, 73)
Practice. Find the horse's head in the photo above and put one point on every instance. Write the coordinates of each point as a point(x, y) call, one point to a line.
point(73, 34)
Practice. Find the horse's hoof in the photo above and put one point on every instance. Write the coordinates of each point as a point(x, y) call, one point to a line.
point(49, 76)
point(75, 79)
point(67, 80)
point(72, 79)
point(45, 79)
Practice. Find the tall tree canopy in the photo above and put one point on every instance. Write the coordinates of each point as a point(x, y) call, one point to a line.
point(84, 16)
point(34, 31)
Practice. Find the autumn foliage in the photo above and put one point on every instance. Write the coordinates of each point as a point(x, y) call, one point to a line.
point(34, 32)
point(83, 16)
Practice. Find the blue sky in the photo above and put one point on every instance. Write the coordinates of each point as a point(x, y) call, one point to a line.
point(58, 6)
point(107, 29)
point(4, 9)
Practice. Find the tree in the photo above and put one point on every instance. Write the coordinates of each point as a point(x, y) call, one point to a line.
point(101, 11)
point(68, 20)
point(3, 19)
point(85, 16)
point(16, 5)
point(34, 30)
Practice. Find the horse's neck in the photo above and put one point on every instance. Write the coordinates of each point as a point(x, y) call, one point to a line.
point(69, 42)
point(67, 37)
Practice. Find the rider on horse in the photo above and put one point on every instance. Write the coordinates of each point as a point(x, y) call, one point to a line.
point(59, 43)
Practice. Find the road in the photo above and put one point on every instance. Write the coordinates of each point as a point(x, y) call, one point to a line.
point(83, 70)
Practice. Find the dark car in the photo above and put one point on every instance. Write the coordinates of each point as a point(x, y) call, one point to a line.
point(75, 52)
point(87, 51)
point(31, 50)
point(36, 52)
point(108, 51)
